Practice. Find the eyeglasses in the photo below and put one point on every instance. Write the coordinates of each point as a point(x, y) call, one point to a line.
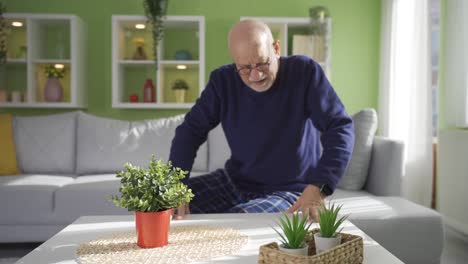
point(261, 67)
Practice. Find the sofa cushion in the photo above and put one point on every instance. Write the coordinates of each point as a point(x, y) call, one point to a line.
point(8, 164)
point(86, 195)
point(29, 199)
point(343, 194)
point(104, 145)
point(396, 223)
point(218, 149)
point(46, 144)
point(365, 125)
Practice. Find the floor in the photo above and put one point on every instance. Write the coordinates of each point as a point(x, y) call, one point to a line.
point(10, 253)
point(455, 251)
point(456, 248)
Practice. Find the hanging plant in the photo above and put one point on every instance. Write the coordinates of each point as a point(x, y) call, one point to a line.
point(3, 34)
point(155, 11)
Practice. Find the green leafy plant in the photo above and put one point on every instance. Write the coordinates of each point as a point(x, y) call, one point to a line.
point(155, 11)
point(52, 72)
point(3, 34)
point(329, 221)
point(154, 189)
point(318, 16)
point(294, 230)
point(180, 84)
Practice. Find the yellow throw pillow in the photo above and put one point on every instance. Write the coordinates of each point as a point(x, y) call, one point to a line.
point(8, 164)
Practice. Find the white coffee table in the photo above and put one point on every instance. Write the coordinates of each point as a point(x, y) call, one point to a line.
point(61, 247)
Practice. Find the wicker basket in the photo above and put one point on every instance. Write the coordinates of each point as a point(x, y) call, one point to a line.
point(350, 251)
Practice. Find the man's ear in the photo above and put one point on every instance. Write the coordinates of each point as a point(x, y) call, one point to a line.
point(277, 48)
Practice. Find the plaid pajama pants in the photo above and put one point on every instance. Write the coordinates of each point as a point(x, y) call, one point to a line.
point(215, 193)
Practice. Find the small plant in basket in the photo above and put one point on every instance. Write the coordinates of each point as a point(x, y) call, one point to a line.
point(329, 223)
point(152, 193)
point(294, 230)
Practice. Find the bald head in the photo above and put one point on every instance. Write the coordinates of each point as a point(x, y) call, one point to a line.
point(252, 48)
point(249, 35)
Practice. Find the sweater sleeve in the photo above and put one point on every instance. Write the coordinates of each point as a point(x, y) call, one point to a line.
point(336, 126)
point(193, 132)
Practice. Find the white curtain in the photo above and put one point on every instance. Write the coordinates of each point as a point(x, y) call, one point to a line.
point(405, 98)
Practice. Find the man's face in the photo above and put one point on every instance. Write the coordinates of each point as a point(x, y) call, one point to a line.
point(257, 66)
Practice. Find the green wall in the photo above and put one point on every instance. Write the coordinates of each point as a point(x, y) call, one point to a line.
point(355, 43)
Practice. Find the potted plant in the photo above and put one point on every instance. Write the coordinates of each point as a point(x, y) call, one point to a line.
point(319, 16)
point(152, 194)
point(294, 230)
point(3, 35)
point(318, 23)
point(53, 91)
point(180, 87)
point(328, 237)
point(3, 52)
point(155, 11)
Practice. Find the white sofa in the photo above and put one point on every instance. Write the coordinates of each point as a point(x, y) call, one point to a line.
point(69, 160)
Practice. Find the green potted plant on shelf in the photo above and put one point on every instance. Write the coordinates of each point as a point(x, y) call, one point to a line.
point(155, 11)
point(180, 87)
point(329, 223)
point(3, 52)
point(152, 193)
point(293, 233)
point(319, 21)
point(53, 91)
point(3, 35)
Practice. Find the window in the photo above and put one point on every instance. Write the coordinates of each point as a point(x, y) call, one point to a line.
point(435, 33)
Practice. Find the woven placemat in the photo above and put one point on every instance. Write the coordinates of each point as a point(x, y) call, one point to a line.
point(187, 244)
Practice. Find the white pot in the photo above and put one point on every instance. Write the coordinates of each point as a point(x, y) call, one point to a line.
point(295, 251)
point(326, 243)
point(180, 95)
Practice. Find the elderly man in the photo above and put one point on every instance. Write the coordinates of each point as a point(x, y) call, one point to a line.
point(274, 111)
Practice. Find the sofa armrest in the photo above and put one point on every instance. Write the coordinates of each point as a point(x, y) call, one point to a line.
point(386, 167)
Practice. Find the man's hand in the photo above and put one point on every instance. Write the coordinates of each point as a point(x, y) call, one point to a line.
point(310, 200)
point(182, 211)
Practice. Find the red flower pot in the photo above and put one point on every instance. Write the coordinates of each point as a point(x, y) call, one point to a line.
point(153, 228)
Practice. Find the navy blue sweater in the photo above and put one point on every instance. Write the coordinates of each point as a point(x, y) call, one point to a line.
point(274, 136)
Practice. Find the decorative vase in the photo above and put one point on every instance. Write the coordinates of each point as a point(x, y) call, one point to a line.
point(53, 91)
point(15, 96)
point(3, 96)
point(296, 251)
point(133, 98)
point(179, 95)
point(152, 228)
point(325, 243)
point(183, 55)
point(149, 92)
point(3, 77)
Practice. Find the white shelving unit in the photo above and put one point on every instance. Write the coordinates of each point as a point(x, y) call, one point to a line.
point(182, 33)
point(284, 29)
point(39, 40)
